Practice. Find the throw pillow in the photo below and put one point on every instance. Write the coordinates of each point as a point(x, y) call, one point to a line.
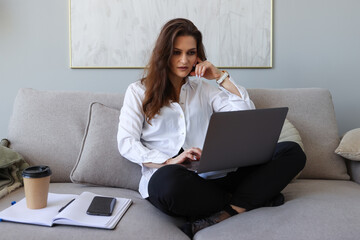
point(349, 146)
point(99, 161)
point(290, 133)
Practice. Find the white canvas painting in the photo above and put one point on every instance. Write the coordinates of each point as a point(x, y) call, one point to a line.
point(122, 33)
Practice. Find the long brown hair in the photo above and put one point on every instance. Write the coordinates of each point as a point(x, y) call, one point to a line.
point(159, 90)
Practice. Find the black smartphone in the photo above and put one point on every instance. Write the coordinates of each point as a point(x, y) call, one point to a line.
point(101, 206)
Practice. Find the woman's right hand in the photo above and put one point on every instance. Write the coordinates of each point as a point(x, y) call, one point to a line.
point(191, 154)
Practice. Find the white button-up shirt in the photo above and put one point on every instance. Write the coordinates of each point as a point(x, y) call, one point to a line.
point(179, 125)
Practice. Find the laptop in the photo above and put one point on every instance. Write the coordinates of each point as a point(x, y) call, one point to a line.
point(240, 138)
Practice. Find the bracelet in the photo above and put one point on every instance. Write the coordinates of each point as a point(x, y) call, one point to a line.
point(223, 77)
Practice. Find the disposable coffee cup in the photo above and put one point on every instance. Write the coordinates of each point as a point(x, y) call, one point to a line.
point(36, 184)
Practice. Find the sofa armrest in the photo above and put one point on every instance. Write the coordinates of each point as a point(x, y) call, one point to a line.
point(4, 142)
point(353, 170)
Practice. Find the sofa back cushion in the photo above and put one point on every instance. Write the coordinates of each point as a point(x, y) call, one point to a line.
point(312, 113)
point(47, 127)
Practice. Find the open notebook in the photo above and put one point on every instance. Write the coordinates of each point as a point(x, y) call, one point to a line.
point(73, 214)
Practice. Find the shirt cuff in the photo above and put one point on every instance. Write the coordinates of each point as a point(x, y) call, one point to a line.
point(157, 157)
point(232, 96)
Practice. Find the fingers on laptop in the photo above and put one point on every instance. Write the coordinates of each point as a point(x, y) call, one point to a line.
point(195, 153)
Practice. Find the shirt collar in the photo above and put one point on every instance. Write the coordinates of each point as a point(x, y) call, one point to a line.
point(189, 82)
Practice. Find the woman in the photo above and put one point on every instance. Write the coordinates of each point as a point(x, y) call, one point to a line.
point(163, 123)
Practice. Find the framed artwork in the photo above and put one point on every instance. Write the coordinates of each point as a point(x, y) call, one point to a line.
point(122, 33)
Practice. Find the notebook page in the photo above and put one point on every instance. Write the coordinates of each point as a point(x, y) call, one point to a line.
point(20, 213)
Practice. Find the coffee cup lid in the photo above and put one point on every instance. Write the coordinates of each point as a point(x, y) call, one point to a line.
point(36, 172)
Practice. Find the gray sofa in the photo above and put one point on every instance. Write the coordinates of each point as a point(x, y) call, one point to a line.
point(77, 139)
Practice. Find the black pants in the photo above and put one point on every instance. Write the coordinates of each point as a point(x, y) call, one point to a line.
point(180, 192)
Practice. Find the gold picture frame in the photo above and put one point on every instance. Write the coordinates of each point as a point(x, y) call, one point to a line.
point(121, 34)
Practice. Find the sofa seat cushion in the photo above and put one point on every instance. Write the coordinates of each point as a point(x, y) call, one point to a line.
point(141, 221)
point(313, 209)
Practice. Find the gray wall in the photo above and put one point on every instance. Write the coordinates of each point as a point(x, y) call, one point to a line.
point(316, 44)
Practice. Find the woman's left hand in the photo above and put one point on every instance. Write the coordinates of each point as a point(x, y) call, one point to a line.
point(206, 70)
